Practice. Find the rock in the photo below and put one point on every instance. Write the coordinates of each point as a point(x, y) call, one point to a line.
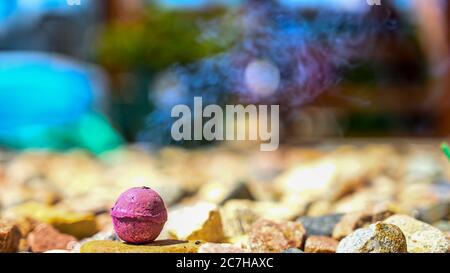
point(421, 237)
point(351, 222)
point(355, 220)
point(383, 211)
point(221, 248)
point(293, 250)
point(321, 244)
point(199, 222)
point(278, 211)
point(269, 236)
point(108, 235)
point(434, 213)
point(318, 208)
point(9, 237)
point(240, 241)
point(219, 193)
point(421, 166)
point(329, 178)
point(13, 194)
point(80, 225)
point(443, 226)
point(308, 181)
point(45, 238)
point(320, 226)
point(239, 215)
point(166, 246)
point(25, 225)
point(377, 238)
point(23, 245)
point(431, 200)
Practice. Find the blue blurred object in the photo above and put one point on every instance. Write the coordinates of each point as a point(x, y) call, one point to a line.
point(195, 4)
point(11, 8)
point(47, 101)
point(38, 89)
point(29, 24)
point(7, 8)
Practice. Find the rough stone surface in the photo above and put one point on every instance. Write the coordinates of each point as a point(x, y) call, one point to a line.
point(46, 238)
point(25, 225)
point(221, 248)
point(434, 213)
point(383, 211)
point(320, 226)
point(351, 222)
point(238, 217)
point(199, 222)
point(219, 193)
point(421, 237)
point(80, 225)
point(377, 238)
point(166, 246)
point(9, 237)
point(321, 244)
point(269, 236)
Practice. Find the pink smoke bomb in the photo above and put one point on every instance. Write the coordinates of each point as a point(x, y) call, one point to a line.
point(139, 215)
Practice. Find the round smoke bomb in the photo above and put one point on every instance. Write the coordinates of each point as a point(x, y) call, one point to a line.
point(139, 215)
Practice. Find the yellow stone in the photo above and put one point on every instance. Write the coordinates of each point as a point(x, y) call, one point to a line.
point(80, 225)
point(199, 222)
point(165, 246)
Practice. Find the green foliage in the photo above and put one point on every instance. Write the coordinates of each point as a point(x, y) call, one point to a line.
point(159, 39)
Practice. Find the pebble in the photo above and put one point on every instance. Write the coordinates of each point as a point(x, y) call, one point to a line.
point(219, 192)
point(421, 237)
point(80, 225)
point(351, 222)
point(434, 213)
point(166, 246)
point(108, 235)
point(308, 181)
point(221, 248)
point(25, 225)
point(321, 244)
point(377, 238)
point(238, 217)
point(201, 221)
point(268, 236)
point(320, 226)
point(355, 220)
point(45, 238)
point(9, 237)
point(293, 250)
point(443, 226)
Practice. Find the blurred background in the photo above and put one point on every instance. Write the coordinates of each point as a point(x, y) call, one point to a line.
point(87, 88)
point(104, 73)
